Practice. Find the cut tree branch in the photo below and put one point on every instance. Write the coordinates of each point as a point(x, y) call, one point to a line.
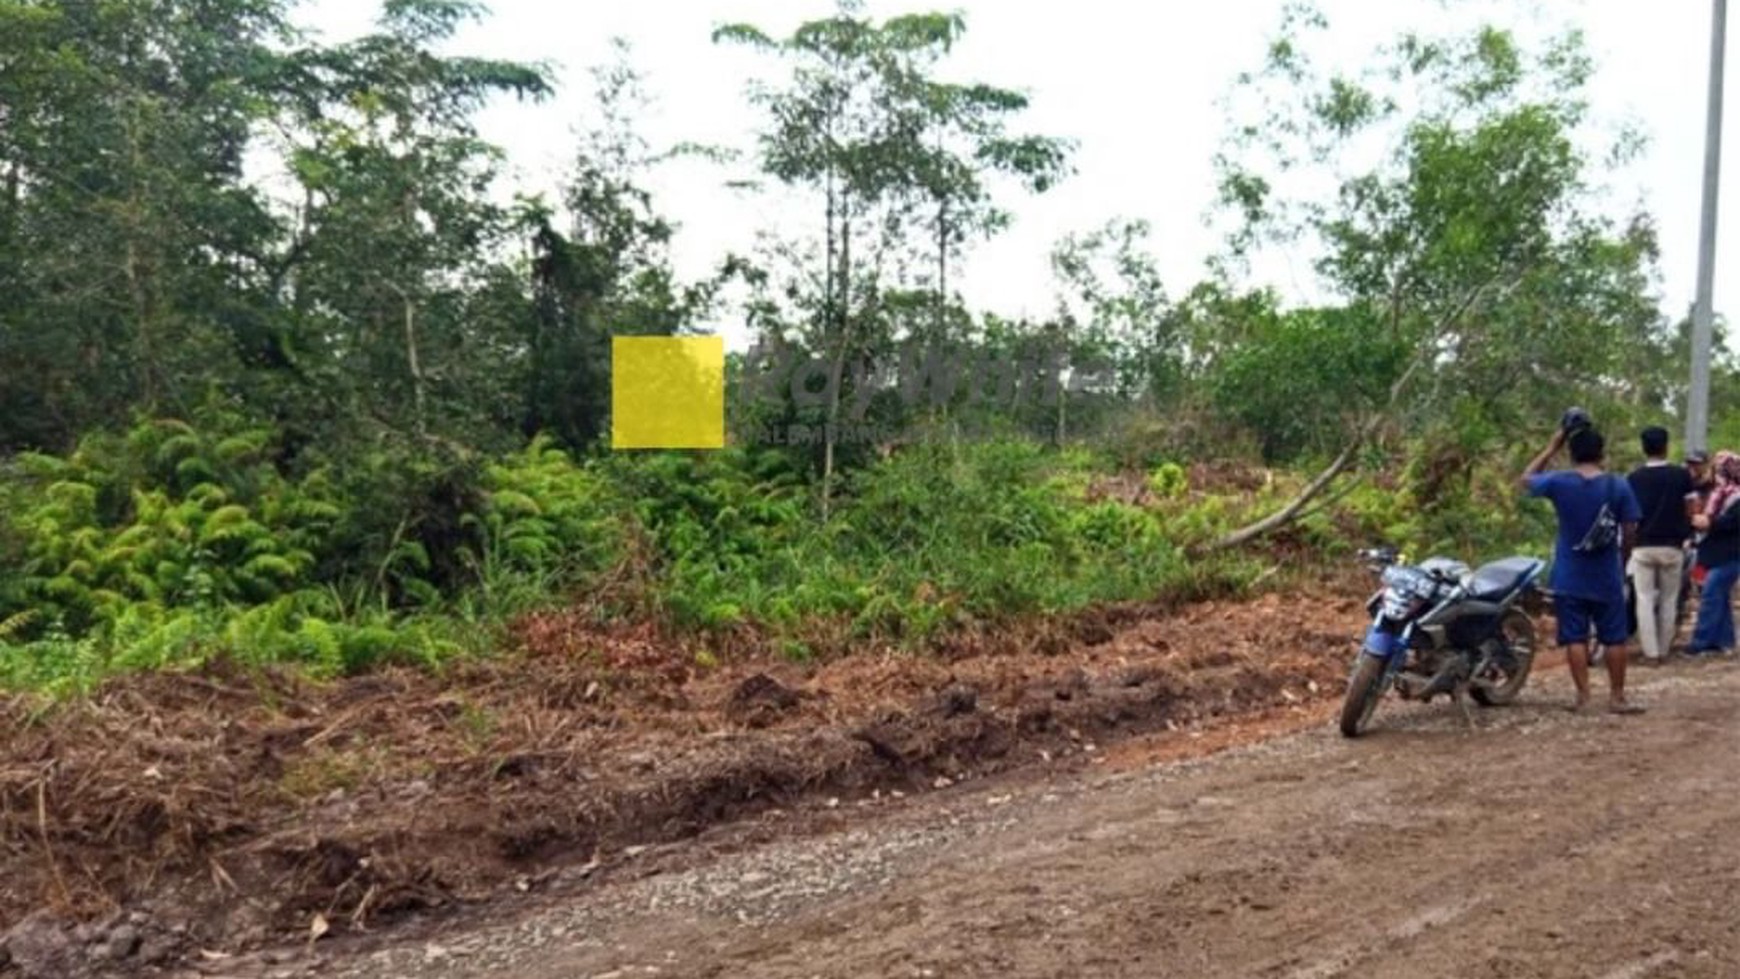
point(1363, 434)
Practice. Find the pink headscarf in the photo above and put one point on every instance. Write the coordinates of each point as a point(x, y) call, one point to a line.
point(1727, 489)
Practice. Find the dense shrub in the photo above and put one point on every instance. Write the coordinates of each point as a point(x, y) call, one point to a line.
point(178, 540)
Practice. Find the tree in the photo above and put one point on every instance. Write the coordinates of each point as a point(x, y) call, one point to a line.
point(399, 233)
point(966, 144)
point(1469, 238)
point(864, 125)
point(1113, 302)
point(608, 272)
point(1293, 379)
point(130, 245)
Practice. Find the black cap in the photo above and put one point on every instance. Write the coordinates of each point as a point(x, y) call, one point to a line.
point(1697, 457)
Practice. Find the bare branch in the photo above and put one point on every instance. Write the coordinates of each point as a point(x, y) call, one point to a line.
point(1363, 434)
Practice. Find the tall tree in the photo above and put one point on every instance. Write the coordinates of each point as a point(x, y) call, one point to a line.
point(606, 271)
point(966, 146)
point(865, 126)
point(399, 231)
point(1463, 225)
point(1113, 302)
point(129, 241)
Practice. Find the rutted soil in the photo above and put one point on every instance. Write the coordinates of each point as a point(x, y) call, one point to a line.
point(178, 819)
point(1539, 844)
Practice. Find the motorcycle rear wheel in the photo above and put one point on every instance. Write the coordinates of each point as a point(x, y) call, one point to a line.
point(1518, 631)
point(1364, 690)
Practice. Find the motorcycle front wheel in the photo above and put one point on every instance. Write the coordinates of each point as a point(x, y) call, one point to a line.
point(1364, 690)
point(1517, 632)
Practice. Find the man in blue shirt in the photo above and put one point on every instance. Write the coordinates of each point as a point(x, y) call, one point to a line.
point(1588, 578)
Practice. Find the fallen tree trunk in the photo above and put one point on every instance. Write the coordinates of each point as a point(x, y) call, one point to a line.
point(1363, 434)
point(1286, 514)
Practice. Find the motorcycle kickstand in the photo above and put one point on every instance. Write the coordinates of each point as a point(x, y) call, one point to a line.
point(1458, 693)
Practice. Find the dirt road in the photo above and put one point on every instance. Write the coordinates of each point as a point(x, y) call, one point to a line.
point(1540, 845)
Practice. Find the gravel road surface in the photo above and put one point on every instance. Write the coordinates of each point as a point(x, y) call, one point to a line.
point(1539, 844)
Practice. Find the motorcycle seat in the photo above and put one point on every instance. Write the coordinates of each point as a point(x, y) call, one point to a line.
point(1498, 579)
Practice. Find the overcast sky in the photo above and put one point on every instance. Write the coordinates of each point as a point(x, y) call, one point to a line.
point(1134, 83)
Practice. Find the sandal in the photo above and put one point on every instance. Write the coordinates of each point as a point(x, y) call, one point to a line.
point(1625, 709)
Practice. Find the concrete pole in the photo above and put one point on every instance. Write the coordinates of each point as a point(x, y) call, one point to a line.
point(1703, 313)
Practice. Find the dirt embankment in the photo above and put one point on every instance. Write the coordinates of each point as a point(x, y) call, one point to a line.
point(1538, 845)
point(175, 816)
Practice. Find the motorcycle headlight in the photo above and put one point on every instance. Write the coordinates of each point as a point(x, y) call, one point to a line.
point(1405, 590)
point(1410, 582)
point(1398, 606)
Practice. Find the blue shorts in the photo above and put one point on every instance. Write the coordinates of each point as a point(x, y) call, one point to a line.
point(1610, 620)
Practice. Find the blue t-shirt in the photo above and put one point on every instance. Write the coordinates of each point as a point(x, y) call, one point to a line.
point(1577, 499)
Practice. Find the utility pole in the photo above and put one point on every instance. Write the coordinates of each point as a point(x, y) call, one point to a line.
point(1703, 313)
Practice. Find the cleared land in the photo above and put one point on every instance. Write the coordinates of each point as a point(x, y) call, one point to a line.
point(1158, 793)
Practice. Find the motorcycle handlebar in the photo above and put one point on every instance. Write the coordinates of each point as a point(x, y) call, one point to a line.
point(1381, 555)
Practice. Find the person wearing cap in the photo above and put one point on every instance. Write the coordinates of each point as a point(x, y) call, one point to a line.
point(1669, 500)
point(1598, 517)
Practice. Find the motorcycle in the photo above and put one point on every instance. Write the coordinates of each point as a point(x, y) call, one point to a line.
point(1439, 627)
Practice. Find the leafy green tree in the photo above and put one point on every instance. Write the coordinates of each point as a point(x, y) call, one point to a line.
point(1295, 378)
point(1477, 237)
point(865, 125)
point(607, 272)
point(399, 231)
point(1112, 301)
point(1471, 238)
point(129, 242)
point(965, 147)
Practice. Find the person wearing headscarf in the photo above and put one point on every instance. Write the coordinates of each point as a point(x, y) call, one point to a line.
point(1726, 488)
point(1719, 553)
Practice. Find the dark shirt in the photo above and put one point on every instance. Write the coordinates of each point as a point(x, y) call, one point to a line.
point(1721, 544)
point(1661, 492)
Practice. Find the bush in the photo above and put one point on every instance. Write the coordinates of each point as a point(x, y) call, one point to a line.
point(166, 517)
point(933, 537)
point(177, 541)
point(1295, 381)
point(543, 522)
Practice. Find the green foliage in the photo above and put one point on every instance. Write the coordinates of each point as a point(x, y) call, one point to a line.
point(168, 515)
point(927, 541)
point(1168, 480)
point(179, 540)
point(375, 351)
point(543, 516)
point(1477, 245)
point(717, 520)
point(121, 166)
point(1298, 378)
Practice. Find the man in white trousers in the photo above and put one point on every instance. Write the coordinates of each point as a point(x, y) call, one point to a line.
point(1668, 497)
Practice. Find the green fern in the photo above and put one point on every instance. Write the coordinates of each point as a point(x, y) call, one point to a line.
point(13, 625)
